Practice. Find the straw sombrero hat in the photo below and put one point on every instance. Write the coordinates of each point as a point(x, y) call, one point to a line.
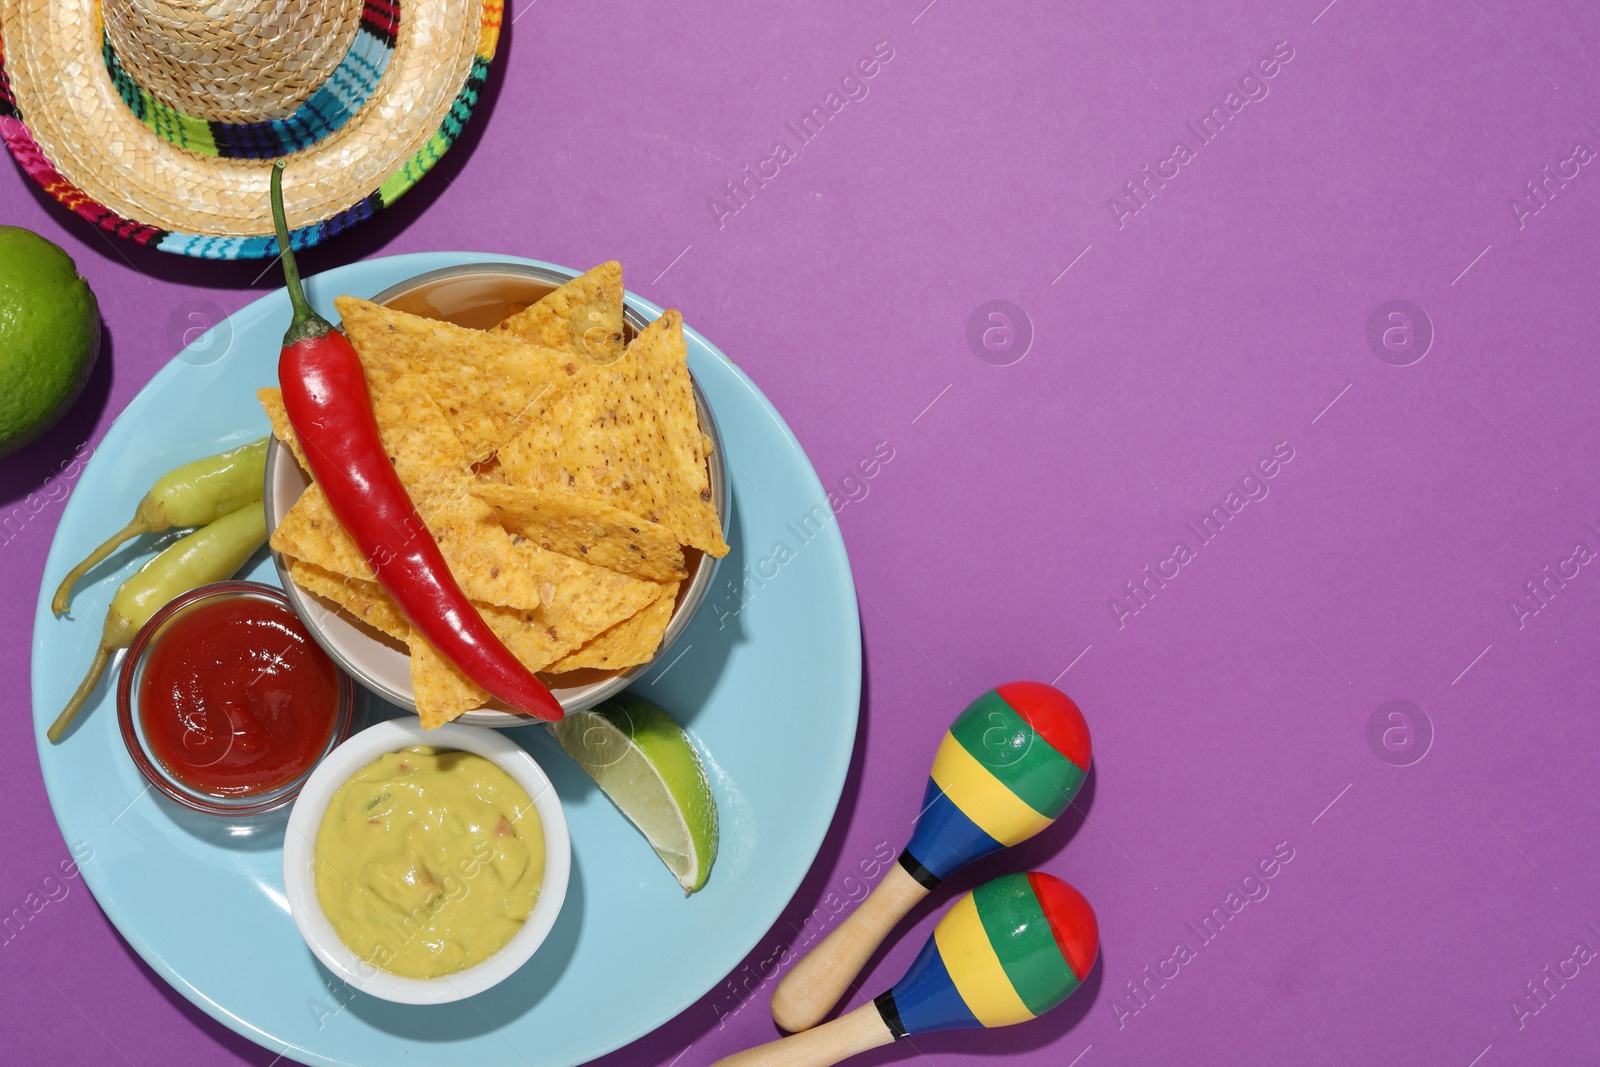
point(158, 120)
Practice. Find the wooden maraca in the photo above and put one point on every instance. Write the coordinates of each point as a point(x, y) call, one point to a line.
point(1006, 952)
point(1009, 764)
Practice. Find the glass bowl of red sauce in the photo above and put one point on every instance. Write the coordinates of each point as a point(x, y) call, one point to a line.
point(227, 704)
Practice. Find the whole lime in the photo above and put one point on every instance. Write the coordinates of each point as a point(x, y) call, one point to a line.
point(49, 335)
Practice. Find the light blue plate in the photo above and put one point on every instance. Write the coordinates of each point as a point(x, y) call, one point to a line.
point(768, 680)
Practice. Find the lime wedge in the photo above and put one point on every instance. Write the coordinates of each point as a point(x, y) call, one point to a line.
point(644, 762)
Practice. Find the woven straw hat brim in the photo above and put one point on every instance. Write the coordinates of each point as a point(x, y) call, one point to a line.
point(95, 149)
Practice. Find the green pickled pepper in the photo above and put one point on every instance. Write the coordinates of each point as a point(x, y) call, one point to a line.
point(192, 495)
point(210, 554)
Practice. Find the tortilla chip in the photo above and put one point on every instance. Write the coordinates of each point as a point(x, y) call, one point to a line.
point(523, 632)
point(486, 383)
point(485, 562)
point(583, 316)
point(627, 644)
point(440, 690)
point(415, 432)
point(365, 601)
point(534, 642)
point(586, 528)
point(579, 599)
point(629, 433)
point(410, 424)
point(272, 401)
point(310, 533)
point(481, 557)
point(586, 600)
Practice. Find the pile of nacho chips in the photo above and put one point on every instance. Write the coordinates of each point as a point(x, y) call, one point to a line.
point(562, 475)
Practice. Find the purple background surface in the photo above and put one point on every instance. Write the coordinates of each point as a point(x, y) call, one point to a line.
point(1172, 348)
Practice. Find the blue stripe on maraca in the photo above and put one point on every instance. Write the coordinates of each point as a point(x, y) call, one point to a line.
point(926, 999)
point(944, 838)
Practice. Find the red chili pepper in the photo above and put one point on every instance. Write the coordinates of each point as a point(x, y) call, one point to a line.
point(325, 395)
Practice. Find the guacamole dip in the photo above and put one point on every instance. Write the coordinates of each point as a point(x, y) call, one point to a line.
point(428, 861)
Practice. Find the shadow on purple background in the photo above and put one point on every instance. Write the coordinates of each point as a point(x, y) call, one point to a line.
point(25, 471)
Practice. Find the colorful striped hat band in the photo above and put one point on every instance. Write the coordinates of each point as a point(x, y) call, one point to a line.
point(1004, 953)
point(1009, 764)
point(330, 105)
point(158, 120)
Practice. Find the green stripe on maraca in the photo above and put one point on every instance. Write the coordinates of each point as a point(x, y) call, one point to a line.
point(1004, 953)
point(1017, 756)
point(970, 959)
point(1021, 937)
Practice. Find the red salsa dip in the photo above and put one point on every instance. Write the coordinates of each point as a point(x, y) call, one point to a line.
point(235, 698)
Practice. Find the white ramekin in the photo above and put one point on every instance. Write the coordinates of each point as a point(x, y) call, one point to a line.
point(306, 818)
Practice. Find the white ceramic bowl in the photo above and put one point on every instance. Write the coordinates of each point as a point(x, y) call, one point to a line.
point(474, 294)
point(306, 818)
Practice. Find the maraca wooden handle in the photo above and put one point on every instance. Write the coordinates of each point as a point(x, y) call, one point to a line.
point(818, 982)
point(847, 1035)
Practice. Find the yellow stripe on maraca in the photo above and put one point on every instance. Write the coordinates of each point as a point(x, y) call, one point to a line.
point(982, 797)
point(975, 968)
